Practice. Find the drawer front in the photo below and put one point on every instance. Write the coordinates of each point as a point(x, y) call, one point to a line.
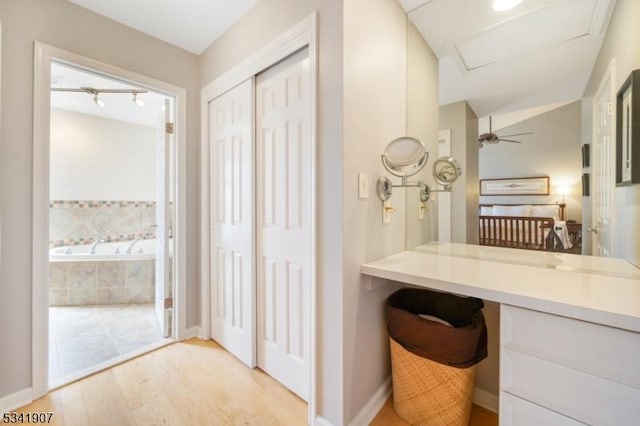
point(515, 411)
point(581, 396)
point(603, 351)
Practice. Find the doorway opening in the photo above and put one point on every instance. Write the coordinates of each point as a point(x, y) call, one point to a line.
point(112, 191)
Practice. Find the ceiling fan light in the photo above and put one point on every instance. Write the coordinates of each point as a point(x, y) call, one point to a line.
point(502, 5)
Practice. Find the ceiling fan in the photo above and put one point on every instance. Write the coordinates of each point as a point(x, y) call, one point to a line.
point(493, 138)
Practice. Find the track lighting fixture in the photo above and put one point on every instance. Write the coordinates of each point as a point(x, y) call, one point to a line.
point(137, 100)
point(96, 93)
point(98, 101)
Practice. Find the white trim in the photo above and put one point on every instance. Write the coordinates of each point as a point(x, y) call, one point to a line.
point(16, 400)
point(321, 421)
point(373, 406)
point(192, 332)
point(43, 55)
point(486, 399)
point(303, 34)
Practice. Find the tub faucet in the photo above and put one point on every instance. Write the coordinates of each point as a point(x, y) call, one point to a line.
point(130, 246)
point(99, 240)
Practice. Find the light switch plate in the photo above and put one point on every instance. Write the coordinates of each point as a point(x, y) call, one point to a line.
point(363, 185)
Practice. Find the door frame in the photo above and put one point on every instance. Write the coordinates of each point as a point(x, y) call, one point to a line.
point(301, 35)
point(43, 56)
point(608, 76)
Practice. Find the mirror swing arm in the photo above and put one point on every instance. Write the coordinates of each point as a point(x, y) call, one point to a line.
point(407, 156)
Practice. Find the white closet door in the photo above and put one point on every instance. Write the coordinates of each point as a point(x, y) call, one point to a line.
point(283, 164)
point(232, 225)
point(603, 169)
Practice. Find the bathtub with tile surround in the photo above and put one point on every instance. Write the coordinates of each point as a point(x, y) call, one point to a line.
point(114, 273)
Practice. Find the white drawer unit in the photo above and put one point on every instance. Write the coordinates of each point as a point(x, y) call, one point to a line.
point(516, 411)
point(580, 370)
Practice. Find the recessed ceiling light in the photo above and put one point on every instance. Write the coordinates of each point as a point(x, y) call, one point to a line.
point(502, 5)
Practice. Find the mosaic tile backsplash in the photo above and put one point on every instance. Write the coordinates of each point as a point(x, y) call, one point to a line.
point(82, 222)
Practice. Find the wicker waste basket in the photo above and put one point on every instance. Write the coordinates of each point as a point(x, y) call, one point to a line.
point(436, 340)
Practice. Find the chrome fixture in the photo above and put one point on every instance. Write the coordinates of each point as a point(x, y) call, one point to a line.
point(403, 157)
point(98, 240)
point(96, 93)
point(130, 246)
point(406, 156)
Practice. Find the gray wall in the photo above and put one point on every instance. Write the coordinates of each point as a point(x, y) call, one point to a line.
point(462, 121)
point(62, 24)
point(621, 43)
point(264, 22)
point(553, 150)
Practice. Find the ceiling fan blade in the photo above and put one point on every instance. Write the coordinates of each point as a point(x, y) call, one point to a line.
point(509, 140)
point(518, 134)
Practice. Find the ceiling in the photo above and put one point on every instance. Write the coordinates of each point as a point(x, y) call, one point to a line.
point(190, 24)
point(540, 52)
point(118, 106)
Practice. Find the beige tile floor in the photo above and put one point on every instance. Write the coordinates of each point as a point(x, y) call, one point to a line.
point(82, 337)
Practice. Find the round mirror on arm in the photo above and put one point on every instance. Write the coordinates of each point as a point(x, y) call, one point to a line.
point(404, 156)
point(446, 170)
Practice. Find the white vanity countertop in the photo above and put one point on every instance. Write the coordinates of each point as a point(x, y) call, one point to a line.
point(602, 298)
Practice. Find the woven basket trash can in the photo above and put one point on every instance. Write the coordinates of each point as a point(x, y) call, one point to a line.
point(433, 364)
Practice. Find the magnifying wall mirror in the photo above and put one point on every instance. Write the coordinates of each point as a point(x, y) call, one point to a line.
point(407, 156)
point(404, 156)
point(446, 170)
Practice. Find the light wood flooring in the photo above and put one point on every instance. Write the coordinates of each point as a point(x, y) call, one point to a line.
point(479, 417)
point(190, 383)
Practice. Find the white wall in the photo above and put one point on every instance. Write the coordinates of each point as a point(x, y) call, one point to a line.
point(375, 113)
point(553, 150)
point(65, 25)
point(621, 43)
point(422, 123)
point(94, 158)
point(268, 19)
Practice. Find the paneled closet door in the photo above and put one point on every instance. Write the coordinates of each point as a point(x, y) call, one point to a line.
point(283, 164)
point(232, 221)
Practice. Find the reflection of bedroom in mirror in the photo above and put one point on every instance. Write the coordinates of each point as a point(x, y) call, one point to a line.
point(543, 88)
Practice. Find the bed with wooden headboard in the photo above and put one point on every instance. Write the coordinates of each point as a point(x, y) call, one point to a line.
point(523, 226)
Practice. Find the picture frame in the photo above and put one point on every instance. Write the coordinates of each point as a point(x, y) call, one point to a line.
point(586, 161)
point(585, 185)
point(538, 185)
point(628, 131)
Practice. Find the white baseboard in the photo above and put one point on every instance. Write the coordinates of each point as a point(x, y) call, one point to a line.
point(16, 400)
point(486, 399)
point(191, 332)
point(371, 408)
point(321, 421)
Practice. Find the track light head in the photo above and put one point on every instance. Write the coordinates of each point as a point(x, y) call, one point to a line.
point(98, 101)
point(136, 100)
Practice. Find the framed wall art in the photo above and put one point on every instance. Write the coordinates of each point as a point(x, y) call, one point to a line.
point(628, 131)
point(586, 161)
point(515, 186)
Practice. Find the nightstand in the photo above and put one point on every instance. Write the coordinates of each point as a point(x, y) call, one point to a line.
point(575, 234)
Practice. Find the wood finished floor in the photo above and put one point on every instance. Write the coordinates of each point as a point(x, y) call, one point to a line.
point(479, 417)
point(190, 383)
